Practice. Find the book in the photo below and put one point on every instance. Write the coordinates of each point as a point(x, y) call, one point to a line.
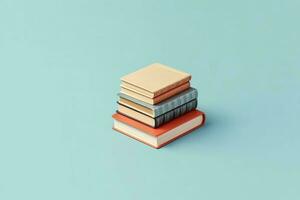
point(163, 135)
point(160, 108)
point(159, 120)
point(154, 80)
point(156, 99)
point(130, 104)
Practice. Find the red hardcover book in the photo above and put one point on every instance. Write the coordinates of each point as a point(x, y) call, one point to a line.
point(159, 137)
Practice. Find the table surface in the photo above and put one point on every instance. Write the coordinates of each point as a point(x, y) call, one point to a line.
point(59, 75)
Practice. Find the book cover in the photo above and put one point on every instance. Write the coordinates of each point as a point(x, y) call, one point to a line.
point(158, 137)
point(154, 80)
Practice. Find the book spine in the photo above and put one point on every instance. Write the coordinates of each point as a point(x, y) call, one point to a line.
point(177, 112)
point(176, 103)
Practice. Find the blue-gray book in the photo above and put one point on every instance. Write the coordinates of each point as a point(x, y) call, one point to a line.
point(167, 105)
point(161, 119)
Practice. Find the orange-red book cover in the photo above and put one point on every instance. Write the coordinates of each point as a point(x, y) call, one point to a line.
point(162, 129)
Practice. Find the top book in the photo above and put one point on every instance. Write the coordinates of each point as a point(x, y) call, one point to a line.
point(154, 80)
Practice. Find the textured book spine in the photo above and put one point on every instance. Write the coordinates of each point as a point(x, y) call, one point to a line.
point(176, 102)
point(177, 112)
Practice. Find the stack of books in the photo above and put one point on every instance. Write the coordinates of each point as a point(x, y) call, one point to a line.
point(157, 105)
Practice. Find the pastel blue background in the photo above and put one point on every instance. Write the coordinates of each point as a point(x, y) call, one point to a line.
point(60, 64)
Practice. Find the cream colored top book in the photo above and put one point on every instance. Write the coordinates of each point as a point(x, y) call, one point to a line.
point(154, 80)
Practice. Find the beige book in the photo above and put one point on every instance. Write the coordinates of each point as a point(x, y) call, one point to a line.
point(159, 98)
point(154, 80)
point(136, 115)
point(135, 106)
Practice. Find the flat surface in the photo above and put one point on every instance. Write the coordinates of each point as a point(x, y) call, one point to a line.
point(60, 68)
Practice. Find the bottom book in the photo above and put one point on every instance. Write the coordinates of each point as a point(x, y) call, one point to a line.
point(159, 137)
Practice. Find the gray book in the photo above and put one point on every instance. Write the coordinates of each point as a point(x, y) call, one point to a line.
point(159, 120)
point(167, 105)
point(174, 113)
